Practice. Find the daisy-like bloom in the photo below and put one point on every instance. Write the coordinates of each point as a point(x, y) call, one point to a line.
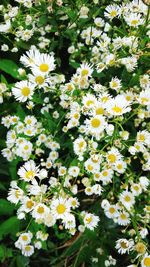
point(90, 220)
point(127, 199)
point(85, 70)
point(99, 22)
point(29, 59)
point(23, 91)
point(79, 146)
point(120, 166)
point(145, 261)
point(95, 125)
point(27, 204)
point(25, 238)
point(144, 98)
point(27, 250)
point(39, 80)
point(134, 20)
point(136, 189)
point(40, 211)
point(113, 156)
point(115, 84)
point(49, 219)
point(112, 11)
point(69, 222)
point(74, 203)
point(60, 208)
point(15, 193)
point(129, 62)
point(118, 106)
point(145, 81)
point(74, 171)
point(92, 166)
point(43, 64)
point(124, 246)
point(123, 218)
point(41, 235)
point(28, 171)
point(106, 176)
point(111, 211)
point(89, 101)
point(11, 138)
point(24, 149)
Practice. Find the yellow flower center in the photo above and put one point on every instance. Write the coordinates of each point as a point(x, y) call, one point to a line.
point(114, 84)
point(29, 204)
point(81, 144)
point(24, 238)
point(17, 193)
point(25, 91)
point(88, 220)
point(90, 167)
point(61, 208)
point(117, 109)
point(40, 210)
point(147, 262)
point(111, 210)
point(144, 100)
point(39, 80)
point(119, 166)
point(113, 13)
point(105, 173)
point(99, 111)
point(89, 102)
point(29, 174)
point(123, 216)
point(134, 22)
point(44, 67)
point(84, 72)
point(95, 122)
point(112, 158)
point(127, 199)
point(141, 137)
point(123, 244)
point(27, 248)
point(26, 147)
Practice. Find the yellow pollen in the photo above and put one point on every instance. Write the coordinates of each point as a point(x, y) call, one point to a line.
point(40, 210)
point(90, 167)
point(29, 174)
point(88, 220)
point(123, 244)
point(25, 91)
point(127, 198)
point(99, 111)
point(44, 67)
point(73, 203)
point(141, 137)
point(39, 80)
point(104, 99)
point(128, 98)
point(105, 173)
point(119, 166)
point(69, 87)
point(112, 158)
point(123, 216)
point(81, 144)
point(29, 204)
point(95, 122)
point(89, 102)
point(26, 147)
point(147, 262)
point(84, 72)
point(144, 100)
point(114, 84)
point(24, 238)
point(117, 109)
point(76, 116)
point(61, 208)
point(113, 13)
point(136, 188)
point(27, 248)
point(134, 22)
point(111, 210)
point(17, 193)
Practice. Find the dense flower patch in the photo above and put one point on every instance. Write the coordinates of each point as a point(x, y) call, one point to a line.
point(77, 133)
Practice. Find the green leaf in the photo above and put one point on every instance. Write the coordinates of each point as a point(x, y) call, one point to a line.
point(22, 261)
point(5, 252)
point(9, 67)
point(10, 226)
point(6, 208)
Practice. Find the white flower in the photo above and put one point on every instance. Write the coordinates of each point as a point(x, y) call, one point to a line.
point(127, 199)
point(96, 125)
point(145, 261)
point(23, 91)
point(25, 238)
point(123, 218)
point(90, 221)
point(74, 171)
point(123, 245)
point(112, 11)
point(60, 208)
point(28, 171)
point(134, 19)
point(40, 211)
point(118, 106)
point(27, 250)
point(85, 70)
point(115, 84)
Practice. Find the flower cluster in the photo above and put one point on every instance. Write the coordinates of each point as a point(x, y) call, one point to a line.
point(82, 136)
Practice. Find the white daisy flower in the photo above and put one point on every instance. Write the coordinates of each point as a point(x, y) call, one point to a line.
point(27, 250)
point(23, 91)
point(145, 261)
point(118, 106)
point(111, 211)
point(25, 238)
point(29, 59)
point(127, 199)
point(112, 11)
point(40, 211)
point(90, 220)
point(123, 245)
point(115, 84)
point(28, 171)
point(134, 20)
point(60, 208)
point(43, 64)
point(123, 218)
point(95, 125)
point(74, 171)
point(85, 70)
